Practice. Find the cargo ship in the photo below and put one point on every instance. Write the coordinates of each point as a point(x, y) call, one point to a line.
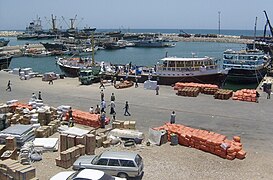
point(246, 66)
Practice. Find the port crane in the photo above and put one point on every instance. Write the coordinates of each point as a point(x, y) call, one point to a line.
point(267, 24)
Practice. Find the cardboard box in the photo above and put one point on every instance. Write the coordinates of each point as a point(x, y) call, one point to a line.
point(63, 142)
point(98, 141)
point(27, 174)
point(132, 124)
point(126, 124)
point(106, 143)
point(11, 143)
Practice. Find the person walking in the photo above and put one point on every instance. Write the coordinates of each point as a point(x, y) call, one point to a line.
point(112, 107)
point(50, 79)
point(102, 120)
point(157, 90)
point(172, 120)
point(70, 116)
point(257, 96)
point(115, 80)
point(40, 96)
point(126, 112)
point(136, 83)
point(8, 86)
point(101, 84)
point(101, 95)
point(114, 116)
point(268, 91)
point(103, 106)
point(113, 98)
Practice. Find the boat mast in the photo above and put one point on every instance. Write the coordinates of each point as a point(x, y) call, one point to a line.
point(93, 49)
point(219, 23)
point(255, 28)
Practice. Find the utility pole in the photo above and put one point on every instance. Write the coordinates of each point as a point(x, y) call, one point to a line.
point(219, 22)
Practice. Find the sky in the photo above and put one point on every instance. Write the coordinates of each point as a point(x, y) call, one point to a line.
point(137, 14)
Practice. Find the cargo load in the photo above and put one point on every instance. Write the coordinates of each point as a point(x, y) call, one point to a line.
point(249, 95)
point(207, 141)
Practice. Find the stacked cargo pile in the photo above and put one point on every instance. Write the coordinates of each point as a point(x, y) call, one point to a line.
point(9, 150)
point(46, 131)
point(85, 118)
point(69, 156)
point(124, 124)
point(124, 84)
point(206, 141)
point(245, 95)
point(188, 91)
point(22, 133)
point(20, 105)
point(12, 169)
point(223, 94)
point(180, 85)
point(210, 91)
point(73, 146)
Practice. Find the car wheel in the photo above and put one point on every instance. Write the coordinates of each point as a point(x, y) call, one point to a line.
point(122, 175)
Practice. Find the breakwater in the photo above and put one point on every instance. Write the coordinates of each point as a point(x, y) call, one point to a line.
point(9, 33)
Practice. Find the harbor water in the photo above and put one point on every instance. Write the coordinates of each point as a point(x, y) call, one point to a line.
point(137, 56)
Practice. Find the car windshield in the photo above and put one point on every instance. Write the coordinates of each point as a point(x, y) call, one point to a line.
point(75, 174)
point(95, 160)
point(72, 176)
point(138, 160)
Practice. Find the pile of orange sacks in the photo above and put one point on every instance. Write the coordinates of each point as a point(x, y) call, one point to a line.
point(245, 95)
point(207, 141)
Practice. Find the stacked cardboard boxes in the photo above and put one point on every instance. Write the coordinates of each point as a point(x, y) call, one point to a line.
point(124, 124)
point(12, 169)
point(69, 156)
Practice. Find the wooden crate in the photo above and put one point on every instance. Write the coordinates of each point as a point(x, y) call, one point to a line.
point(27, 174)
point(63, 142)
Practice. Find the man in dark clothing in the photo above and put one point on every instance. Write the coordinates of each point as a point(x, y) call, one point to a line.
point(157, 90)
point(101, 95)
point(9, 86)
point(70, 116)
point(39, 96)
point(268, 91)
point(136, 84)
point(126, 112)
point(113, 98)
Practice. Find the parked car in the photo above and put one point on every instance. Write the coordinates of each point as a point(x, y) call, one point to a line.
point(121, 164)
point(85, 174)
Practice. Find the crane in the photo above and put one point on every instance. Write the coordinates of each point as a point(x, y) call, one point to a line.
point(267, 24)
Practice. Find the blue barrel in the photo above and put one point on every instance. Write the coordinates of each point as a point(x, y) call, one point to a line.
point(174, 139)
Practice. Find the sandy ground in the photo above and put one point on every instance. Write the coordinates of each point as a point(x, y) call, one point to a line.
point(251, 121)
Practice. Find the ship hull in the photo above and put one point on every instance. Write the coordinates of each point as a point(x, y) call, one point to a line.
point(246, 76)
point(70, 71)
point(217, 79)
point(5, 62)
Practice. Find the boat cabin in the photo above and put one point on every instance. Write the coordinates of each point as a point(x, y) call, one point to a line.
point(185, 64)
point(244, 59)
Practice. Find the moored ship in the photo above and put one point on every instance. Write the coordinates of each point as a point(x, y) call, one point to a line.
point(5, 62)
point(246, 66)
point(3, 42)
point(170, 70)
